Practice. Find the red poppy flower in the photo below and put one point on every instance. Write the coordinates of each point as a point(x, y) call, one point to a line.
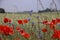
point(9, 20)
point(11, 32)
point(5, 20)
point(54, 21)
point(25, 20)
point(52, 25)
point(20, 21)
point(45, 22)
point(44, 30)
point(18, 28)
point(26, 35)
point(22, 31)
point(58, 20)
point(56, 34)
point(7, 30)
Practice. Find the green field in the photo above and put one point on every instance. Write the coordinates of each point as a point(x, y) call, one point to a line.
point(26, 15)
point(27, 27)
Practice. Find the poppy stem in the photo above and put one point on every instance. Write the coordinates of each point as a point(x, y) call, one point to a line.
point(27, 39)
point(44, 36)
point(58, 39)
point(48, 28)
point(5, 37)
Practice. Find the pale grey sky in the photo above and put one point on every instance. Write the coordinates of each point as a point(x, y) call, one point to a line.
point(25, 5)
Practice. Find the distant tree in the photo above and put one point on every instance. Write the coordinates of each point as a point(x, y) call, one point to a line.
point(46, 10)
point(39, 11)
point(2, 10)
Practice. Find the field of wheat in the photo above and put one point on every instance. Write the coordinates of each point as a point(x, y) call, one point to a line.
point(34, 26)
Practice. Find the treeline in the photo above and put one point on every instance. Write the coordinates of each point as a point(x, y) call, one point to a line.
point(39, 11)
point(46, 10)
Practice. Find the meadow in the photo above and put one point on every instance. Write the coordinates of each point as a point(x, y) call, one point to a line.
point(33, 27)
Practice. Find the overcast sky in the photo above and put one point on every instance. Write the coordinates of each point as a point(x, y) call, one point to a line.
point(25, 5)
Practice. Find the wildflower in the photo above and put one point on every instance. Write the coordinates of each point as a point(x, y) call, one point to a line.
point(40, 36)
point(44, 30)
point(18, 28)
point(33, 24)
point(20, 22)
point(26, 35)
point(52, 25)
point(58, 24)
point(58, 20)
point(54, 21)
point(5, 20)
point(25, 20)
point(7, 30)
point(45, 22)
point(23, 33)
point(56, 34)
point(9, 20)
point(29, 19)
point(11, 31)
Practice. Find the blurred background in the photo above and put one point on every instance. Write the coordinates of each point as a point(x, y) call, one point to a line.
point(29, 5)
